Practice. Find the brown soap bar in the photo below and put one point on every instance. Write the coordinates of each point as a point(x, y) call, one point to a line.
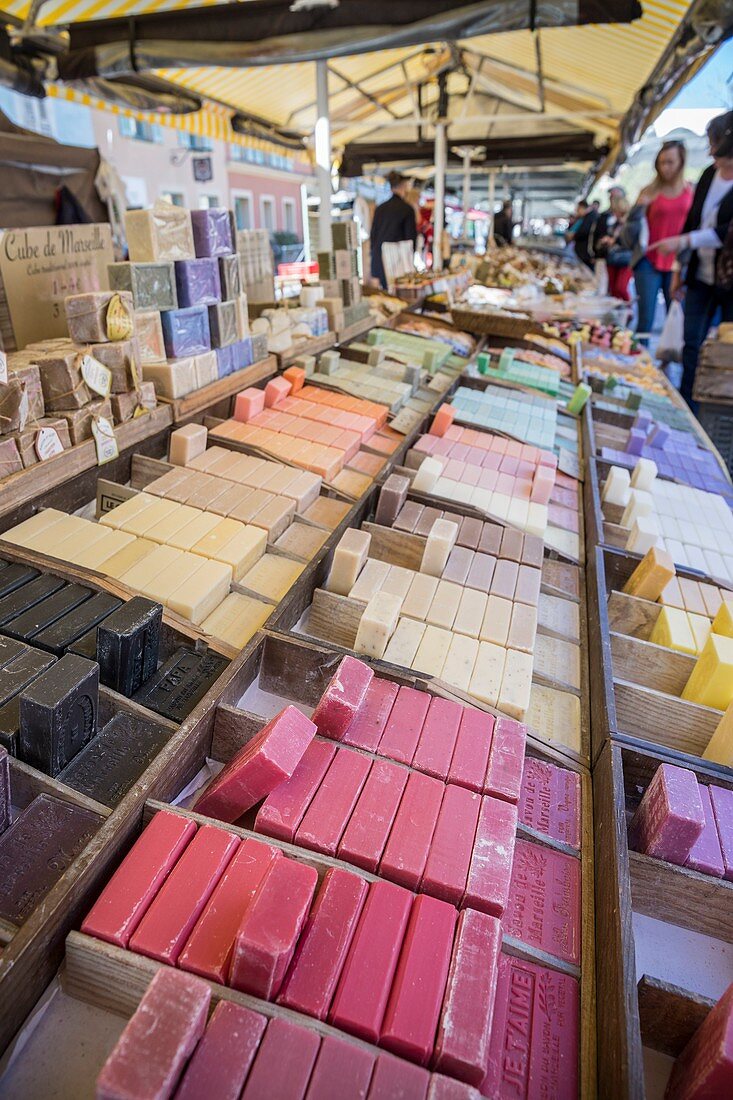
point(115, 759)
point(490, 541)
point(511, 545)
point(124, 405)
point(533, 551)
point(11, 400)
point(4, 790)
point(99, 316)
point(36, 851)
point(425, 524)
point(10, 726)
point(10, 460)
point(26, 439)
point(392, 496)
point(61, 379)
point(22, 367)
point(58, 714)
point(469, 533)
point(79, 421)
point(120, 359)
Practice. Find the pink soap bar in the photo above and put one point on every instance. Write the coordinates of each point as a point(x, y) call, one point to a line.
point(333, 803)
point(458, 564)
point(368, 726)
point(442, 420)
point(269, 931)
point(528, 585)
point(419, 983)
point(481, 573)
point(438, 738)
point(544, 901)
point(705, 854)
point(324, 943)
point(504, 579)
point(447, 1088)
point(222, 1059)
point(550, 800)
point(407, 848)
point(167, 924)
point(275, 390)
point(506, 760)
point(342, 1071)
point(405, 722)
point(366, 834)
point(127, 896)
point(160, 1037)
point(451, 848)
point(542, 485)
point(670, 816)
point(722, 800)
point(536, 1010)
point(259, 767)
point(395, 1079)
point(490, 872)
point(704, 1069)
point(284, 1063)
point(248, 404)
point(473, 745)
point(343, 698)
point(462, 1044)
point(282, 811)
point(210, 945)
point(366, 978)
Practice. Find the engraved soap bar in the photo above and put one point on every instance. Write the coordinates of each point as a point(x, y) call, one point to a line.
point(180, 683)
point(152, 285)
point(115, 759)
point(212, 231)
point(197, 283)
point(186, 331)
point(127, 645)
point(58, 714)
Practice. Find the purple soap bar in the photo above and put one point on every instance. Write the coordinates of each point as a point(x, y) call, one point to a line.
point(670, 816)
point(212, 231)
point(226, 360)
point(705, 854)
point(186, 332)
point(197, 282)
point(636, 441)
point(722, 800)
point(642, 421)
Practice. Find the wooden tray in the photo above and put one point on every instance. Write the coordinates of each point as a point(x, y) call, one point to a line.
point(216, 398)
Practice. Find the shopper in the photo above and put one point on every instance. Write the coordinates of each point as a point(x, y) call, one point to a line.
point(583, 231)
point(393, 221)
point(664, 205)
point(605, 244)
point(504, 224)
point(706, 229)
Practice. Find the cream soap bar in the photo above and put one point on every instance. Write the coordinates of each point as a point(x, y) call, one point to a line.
point(432, 651)
point(460, 662)
point(143, 573)
point(130, 555)
point(200, 594)
point(241, 552)
point(237, 619)
point(370, 580)
point(272, 576)
point(516, 684)
point(187, 537)
point(420, 596)
point(487, 673)
point(348, 560)
point(440, 542)
point(405, 642)
point(377, 624)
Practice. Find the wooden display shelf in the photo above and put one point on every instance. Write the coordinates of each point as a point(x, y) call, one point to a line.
point(216, 398)
point(314, 346)
point(353, 332)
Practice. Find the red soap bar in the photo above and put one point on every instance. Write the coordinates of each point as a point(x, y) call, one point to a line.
point(490, 872)
point(342, 699)
point(259, 767)
point(149, 1056)
point(366, 834)
point(536, 1010)
point(407, 848)
point(209, 948)
point(462, 1044)
point(342, 1071)
point(167, 924)
point(284, 1062)
point(402, 731)
point(722, 800)
point(222, 1059)
point(419, 984)
point(248, 404)
point(333, 803)
point(506, 760)
point(368, 726)
point(321, 950)
point(127, 896)
point(473, 745)
point(395, 1079)
point(275, 390)
point(442, 420)
point(704, 1069)
point(451, 848)
point(446, 1088)
point(544, 900)
point(438, 737)
point(282, 811)
point(550, 800)
point(269, 931)
point(366, 978)
point(706, 855)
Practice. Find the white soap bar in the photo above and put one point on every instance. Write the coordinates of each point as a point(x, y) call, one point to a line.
point(405, 642)
point(444, 606)
point(644, 474)
point(418, 600)
point(537, 518)
point(370, 580)
point(348, 560)
point(202, 591)
point(470, 614)
point(617, 486)
point(516, 684)
point(460, 662)
point(487, 673)
point(644, 534)
point(640, 504)
point(426, 477)
point(440, 542)
point(187, 443)
point(377, 624)
point(398, 581)
point(432, 651)
point(497, 619)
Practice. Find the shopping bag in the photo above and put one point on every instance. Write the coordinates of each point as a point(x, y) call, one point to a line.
point(671, 340)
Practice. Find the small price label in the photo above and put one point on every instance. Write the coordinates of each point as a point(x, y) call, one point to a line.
point(105, 440)
point(96, 375)
point(24, 410)
point(3, 368)
point(48, 444)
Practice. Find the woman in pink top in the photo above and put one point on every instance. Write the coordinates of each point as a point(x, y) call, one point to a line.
point(667, 200)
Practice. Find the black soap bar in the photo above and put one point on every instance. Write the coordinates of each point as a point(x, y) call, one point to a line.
point(15, 603)
point(37, 849)
point(115, 759)
point(22, 671)
point(9, 650)
point(58, 714)
point(127, 645)
point(181, 683)
point(86, 646)
point(66, 630)
point(15, 575)
point(10, 725)
point(37, 618)
point(4, 790)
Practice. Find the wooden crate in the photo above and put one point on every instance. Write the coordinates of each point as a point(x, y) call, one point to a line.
point(216, 399)
point(656, 981)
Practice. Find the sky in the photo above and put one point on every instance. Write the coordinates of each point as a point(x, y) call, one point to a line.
point(703, 97)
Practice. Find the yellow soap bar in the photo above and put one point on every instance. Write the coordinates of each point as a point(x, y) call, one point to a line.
point(164, 529)
point(118, 516)
point(241, 552)
point(651, 576)
point(720, 745)
point(516, 684)
point(216, 538)
point(370, 580)
point(272, 576)
point(94, 553)
point(700, 626)
point(459, 664)
point(130, 555)
point(711, 682)
point(405, 642)
point(237, 619)
point(69, 541)
point(50, 541)
point(187, 537)
point(723, 621)
point(144, 520)
point(25, 533)
point(487, 673)
point(202, 592)
point(672, 630)
point(147, 569)
point(162, 586)
point(432, 651)
point(420, 596)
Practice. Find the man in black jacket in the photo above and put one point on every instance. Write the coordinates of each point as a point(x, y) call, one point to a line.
point(504, 224)
point(393, 221)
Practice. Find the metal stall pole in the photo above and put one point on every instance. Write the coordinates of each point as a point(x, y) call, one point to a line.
point(323, 157)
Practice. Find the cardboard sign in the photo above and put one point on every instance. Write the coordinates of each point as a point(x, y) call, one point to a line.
point(43, 266)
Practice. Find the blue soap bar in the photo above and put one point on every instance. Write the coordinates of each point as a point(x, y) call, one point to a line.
point(197, 282)
point(226, 360)
point(212, 231)
point(186, 331)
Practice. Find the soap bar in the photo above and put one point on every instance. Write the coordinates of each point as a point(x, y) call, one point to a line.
point(550, 800)
point(442, 420)
point(259, 767)
point(114, 760)
point(447, 1088)
point(343, 698)
point(369, 826)
point(333, 803)
point(427, 476)
point(186, 331)
point(392, 496)
point(276, 390)
point(420, 596)
point(705, 854)
point(150, 1055)
point(651, 576)
point(186, 443)
point(367, 727)
point(174, 379)
point(644, 534)
point(406, 719)
point(670, 816)
point(284, 1062)
point(377, 624)
point(128, 894)
point(151, 285)
point(405, 643)
point(544, 901)
point(438, 737)
point(197, 284)
point(99, 316)
point(283, 809)
point(46, 612)
point(672, 630)
point(212, 231)
point(473, 744)
point(460, 662)
point(223, 324)
point(617, 487)
point(149, 338)
point(409, 842)
point(394, 1078)
point(722, 801)
point(180, 683)
point(27, 596)
point(489, 874)
point(165, 928)
point(58, 714)
point(342, 1071)
point(711, 681)
point(644, 474)
point(487, 672)
point(269, 931)
point(452, 845)
point(432, 651)
point(506, 760)
point(223, 1058)
point(464, 1031)
point(723, 621)
point(127, 645)
point(705, 1066)
point(162, 233)
point(348, 560)
point(440, 542)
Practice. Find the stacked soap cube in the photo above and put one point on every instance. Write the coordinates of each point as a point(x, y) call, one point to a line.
point(284, 328)
point(382, 380)
point(338, 271)
point(510, 367)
